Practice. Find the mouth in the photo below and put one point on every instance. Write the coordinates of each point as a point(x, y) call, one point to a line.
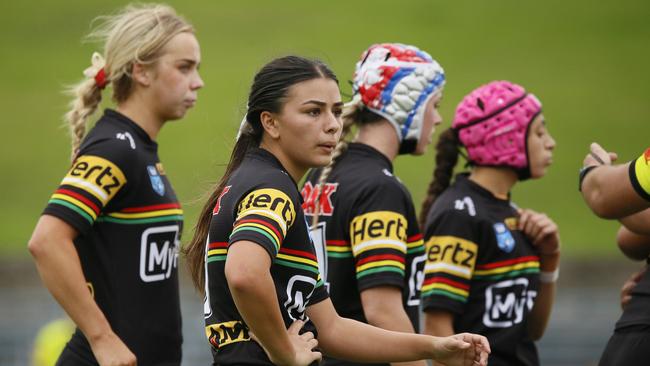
point(327, 146)
point(190, 102)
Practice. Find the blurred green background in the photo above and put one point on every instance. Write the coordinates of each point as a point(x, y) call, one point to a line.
point(586, 60)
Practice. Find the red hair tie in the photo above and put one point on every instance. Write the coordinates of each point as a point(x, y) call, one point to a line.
point(100, 78)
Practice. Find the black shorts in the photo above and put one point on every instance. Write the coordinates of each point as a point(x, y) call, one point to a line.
point(628, 346)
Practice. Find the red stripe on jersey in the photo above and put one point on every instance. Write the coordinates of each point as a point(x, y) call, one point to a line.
point(340, 243)
point(164, 206)
point(219, 244)
point(298, 253)
point(447, 282)
point(381, 257)
point(413, 238)
point(261, 222)
point(81, 198)
point(509, 262)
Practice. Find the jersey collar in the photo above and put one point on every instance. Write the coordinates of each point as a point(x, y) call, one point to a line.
point(369, 151)
point(114, 115)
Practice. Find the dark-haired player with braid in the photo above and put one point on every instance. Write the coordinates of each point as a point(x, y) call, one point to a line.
point(265, 300)
point(364, 223)
point(491, 268)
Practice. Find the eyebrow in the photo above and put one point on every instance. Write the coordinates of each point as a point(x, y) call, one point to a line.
point(320, 103)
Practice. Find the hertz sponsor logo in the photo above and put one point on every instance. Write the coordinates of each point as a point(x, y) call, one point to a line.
point(451, 254)
point(97, 176)
point(223, 334)
point(271, 203)
point(378, 229)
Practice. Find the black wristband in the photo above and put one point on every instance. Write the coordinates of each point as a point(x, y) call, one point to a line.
point(583, 173)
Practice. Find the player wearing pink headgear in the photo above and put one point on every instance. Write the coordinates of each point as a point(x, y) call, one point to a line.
point(491, 267)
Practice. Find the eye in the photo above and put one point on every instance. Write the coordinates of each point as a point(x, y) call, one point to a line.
point(314, 112)
point(338, 112)
point(185, 68)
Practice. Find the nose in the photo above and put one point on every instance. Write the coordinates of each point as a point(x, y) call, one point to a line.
point(550, 144)
point(437, 118)
point(333, 123)
point(197, 83)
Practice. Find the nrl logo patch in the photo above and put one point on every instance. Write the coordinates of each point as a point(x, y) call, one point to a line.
point(505, 241)
point(156, 181)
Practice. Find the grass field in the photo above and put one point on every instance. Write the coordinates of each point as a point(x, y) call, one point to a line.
point(587, 61)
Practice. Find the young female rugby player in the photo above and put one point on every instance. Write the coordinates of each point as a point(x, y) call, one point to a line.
point(491, 267)
point(265, 301)
point(107, 243)
point(365, 226)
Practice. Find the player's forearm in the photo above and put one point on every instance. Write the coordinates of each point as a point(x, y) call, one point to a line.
point(357, 342)
point(638, 223)
point(608, 192)
point(395, 319)
point(541, 312)
point(254, 295)
point(60, 270)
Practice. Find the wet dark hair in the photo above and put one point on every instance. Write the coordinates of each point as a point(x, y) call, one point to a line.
point(268, 93)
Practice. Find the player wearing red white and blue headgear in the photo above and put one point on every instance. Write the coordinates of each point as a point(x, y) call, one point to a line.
point(395, 81)
point(364, 224)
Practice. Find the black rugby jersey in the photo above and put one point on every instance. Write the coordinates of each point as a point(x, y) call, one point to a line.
point(367, 234)
point(482, 269)
point(637, 311)
point(260, 203)
point(117, 196)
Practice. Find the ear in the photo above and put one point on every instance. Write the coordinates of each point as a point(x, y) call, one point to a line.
point(270, 124)
point(141, 74)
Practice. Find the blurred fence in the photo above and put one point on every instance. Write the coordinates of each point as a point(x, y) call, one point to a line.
point(583, 318)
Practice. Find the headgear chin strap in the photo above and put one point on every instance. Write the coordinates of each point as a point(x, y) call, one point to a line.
point(492, 123)
point(396, 81)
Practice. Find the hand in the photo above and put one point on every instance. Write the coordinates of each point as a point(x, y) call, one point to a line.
point(541, 230)
point(629, 285)
point(303, 345)
point(598, 156)
point(463, 349)
point(109, 350)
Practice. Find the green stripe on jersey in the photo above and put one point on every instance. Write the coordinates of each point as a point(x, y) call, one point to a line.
point(258, 230)
point(339, 254)
point(116, 220)
point(506, 275)
point(380, 269)
point(74, 208)
point(451, 295)
point(282, 262)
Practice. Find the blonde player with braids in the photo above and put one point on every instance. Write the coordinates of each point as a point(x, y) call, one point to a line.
point(364, 224)
point(107, 243)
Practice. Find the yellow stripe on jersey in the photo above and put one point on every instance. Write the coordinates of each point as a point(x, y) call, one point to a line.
point(96, 176)
point(391, 263)
point(270, 203)
point(642, 171)
point(141, 215)
point(516, 267)
point(77, 203)
point(445, 287)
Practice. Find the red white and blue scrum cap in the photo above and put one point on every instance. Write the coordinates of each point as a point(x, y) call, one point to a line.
point(395, 81)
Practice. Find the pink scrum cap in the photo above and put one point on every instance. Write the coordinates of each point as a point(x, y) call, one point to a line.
point(492, 123)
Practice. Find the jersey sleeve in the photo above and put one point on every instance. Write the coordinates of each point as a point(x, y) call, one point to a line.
point(378, 236)
point(451, 245)
point(94, 179)
point(264, 216)
point(639, 172)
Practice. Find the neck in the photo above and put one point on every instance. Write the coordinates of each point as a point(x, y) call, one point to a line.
point(295, 171)
point(135, 109)
point(499, 181)
point(380, 135)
